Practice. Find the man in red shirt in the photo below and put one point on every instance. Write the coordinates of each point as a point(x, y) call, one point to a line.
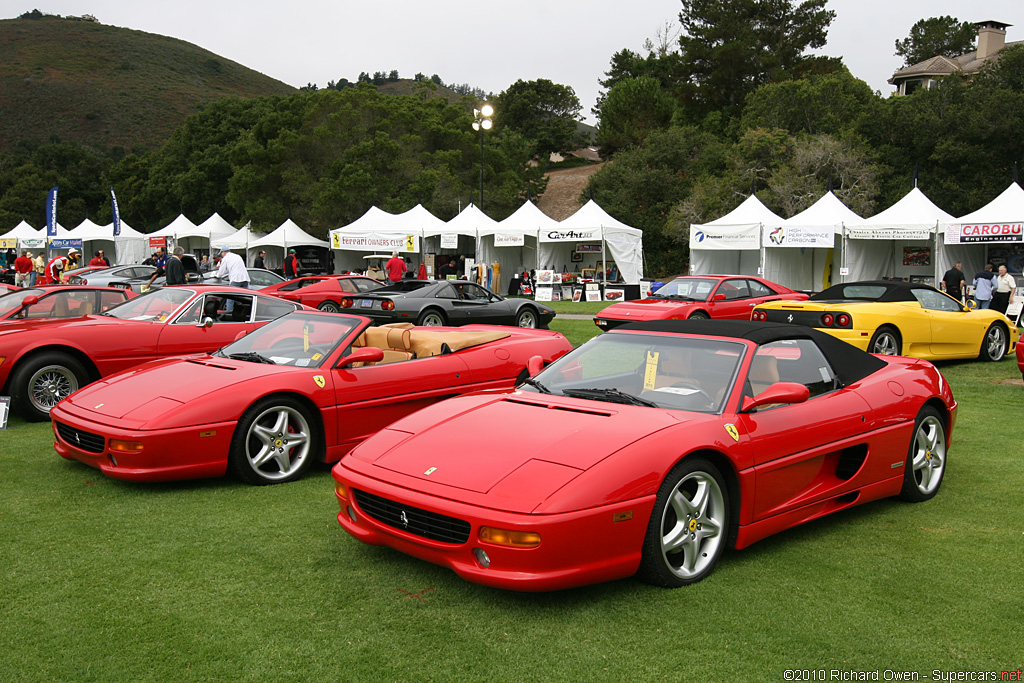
point(395, 268)
point(99, 260)
point(22, 269)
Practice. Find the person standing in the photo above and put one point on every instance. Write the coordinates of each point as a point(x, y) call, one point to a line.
point(23, 269)
point(98, 259)
point(291, 265)
point(38, 269)
point(953, 282)
point(984, 284)
point(175, 269)
point(1003, 296)
point(232, 267)
point(204, 265)
point(395, 268)
point(258, 261)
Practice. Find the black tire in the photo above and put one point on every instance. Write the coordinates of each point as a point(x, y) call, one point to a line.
point(40, 381)
point(431, 318)
point(329, 307)
point(926, 457)
point(699, 315)
point(275, 442)
point(527, 317)
point(886, 341)
point(995, 343)
point(689, 525)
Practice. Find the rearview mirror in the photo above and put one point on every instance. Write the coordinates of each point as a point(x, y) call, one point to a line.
point(780, 392)
point(205, 322)
point(362, 354)
point(30, 300)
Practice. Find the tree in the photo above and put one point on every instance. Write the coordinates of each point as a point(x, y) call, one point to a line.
point(544, 112)
point(730, 47)
point(945, 36)
point(819, 104)
point(633, 109)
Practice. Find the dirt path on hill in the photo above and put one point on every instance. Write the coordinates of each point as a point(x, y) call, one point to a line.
point(561, 199)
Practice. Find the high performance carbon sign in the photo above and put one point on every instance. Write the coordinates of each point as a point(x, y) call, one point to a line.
point(984, 232)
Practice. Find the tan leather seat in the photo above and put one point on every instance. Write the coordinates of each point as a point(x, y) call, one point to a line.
point(764, 372)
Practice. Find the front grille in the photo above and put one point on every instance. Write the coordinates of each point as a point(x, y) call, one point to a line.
point(87, 441)
point(429, 525)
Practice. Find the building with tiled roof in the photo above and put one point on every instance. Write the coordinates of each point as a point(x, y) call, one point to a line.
point(991, 39)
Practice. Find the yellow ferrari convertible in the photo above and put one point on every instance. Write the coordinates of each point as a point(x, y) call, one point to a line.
point(899, 318)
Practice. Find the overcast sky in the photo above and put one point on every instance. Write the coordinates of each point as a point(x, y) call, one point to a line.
point(566, 41)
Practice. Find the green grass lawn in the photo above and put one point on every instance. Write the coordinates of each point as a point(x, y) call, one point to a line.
point(216, 581)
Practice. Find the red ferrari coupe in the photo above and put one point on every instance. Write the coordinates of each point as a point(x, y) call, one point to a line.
point(323, 291)
point(59, 301)
point(648, 451)
point(726, 297)
point(306, 387)
point(43, 361)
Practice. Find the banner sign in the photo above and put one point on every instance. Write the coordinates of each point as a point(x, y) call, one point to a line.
point(65, 244)
point(571, 235)
point(450, 241)
point(376, 242)
point(117, 214)
point(509, 240)
point(33, 242)
point(978, 232)
point(156, 242)
point(8, 242)
point(725, 237)
point(888, 233)
point(799, 236)
point(51, 213)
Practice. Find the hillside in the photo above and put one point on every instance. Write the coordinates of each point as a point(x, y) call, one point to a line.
point(108, 86)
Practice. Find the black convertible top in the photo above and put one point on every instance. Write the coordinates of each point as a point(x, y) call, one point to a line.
point(894, 290)
point(848, 362)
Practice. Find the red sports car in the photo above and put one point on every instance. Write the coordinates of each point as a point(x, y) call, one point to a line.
point(647, 451)
point(727, 297)
point(59, 301)
point(42, 361)
point(1020, 358)
point(306, 387)
point(323, 291)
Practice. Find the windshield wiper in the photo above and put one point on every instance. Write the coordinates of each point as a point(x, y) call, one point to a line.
point(674, 297)
point(252, 356)
point(534, 383)
point(610, 395)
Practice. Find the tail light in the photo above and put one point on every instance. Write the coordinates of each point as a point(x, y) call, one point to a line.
point(844, 320)
point(346, 303)
point(760, 316)
point(827, 320)
point(387, 305)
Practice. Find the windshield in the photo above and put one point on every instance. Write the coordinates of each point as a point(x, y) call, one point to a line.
point(157, 305)
point(676, 372)
point(692, 288)
point(12, 300)
point(297, 339)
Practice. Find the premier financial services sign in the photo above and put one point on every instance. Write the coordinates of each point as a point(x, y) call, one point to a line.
point(973, 233)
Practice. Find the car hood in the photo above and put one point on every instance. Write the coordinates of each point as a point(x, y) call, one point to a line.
point(645, 309)
point(516, 448)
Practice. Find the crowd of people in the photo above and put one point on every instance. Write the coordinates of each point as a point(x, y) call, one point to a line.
point(993, 290)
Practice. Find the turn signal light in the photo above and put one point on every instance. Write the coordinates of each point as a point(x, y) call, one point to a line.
point(387, 305)
point(510, 539)
point(346, 303)
point(339, 488)
point(125, 446)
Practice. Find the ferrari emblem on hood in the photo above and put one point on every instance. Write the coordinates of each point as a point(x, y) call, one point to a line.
point(319, 379)
point(733, 432)
point(430, 471)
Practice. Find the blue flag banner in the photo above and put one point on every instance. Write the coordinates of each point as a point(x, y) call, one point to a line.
point(51, 213)
point(117, 214)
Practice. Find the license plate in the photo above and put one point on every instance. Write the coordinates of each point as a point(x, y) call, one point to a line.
point(366, 303)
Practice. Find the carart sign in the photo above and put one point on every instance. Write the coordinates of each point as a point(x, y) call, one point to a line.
point(966, 233)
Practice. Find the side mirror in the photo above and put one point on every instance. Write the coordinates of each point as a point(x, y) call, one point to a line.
point(30, 300)
point(205, 322)
point(534, 365)
point(719, 297)
point(362, 354)
point(780, 392)
point(237, 336)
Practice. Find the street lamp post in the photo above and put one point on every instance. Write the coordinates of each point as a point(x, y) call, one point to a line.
point(481, 122)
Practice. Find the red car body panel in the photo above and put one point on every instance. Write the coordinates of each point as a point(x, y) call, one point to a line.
point(321, 289)
point(643, 310)
point(194, 403)
point(585, 474)
point(1020, 359)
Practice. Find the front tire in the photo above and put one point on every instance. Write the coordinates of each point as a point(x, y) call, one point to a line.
point(926, 460)
point(886, 342)
point(993, 347)
point(527, 318)
point(329, 307)
point(274, 442)
point(431, 318)
point(699, 315)
point(41, 381)
point(689, 525)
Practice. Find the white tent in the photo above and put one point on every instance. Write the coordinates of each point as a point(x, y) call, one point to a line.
point(192, 237)
point(619, 243)
point(286, 235)
point(874, 247)
point(512, 243)
point(237, 241)
point(799, 250)
point(731, 245)
point(180, 225)
point(974, 237)
point(128, 247)
point(27, 236)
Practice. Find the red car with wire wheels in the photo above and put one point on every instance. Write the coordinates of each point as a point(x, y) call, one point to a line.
point(304, 388)
point(649, 450)
point(324, 292)
point(43, 361)
point(720, 297)
point(59, 301)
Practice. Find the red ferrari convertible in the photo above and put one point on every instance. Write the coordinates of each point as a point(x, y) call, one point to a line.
point(42, 361)
point(306, 387)
point(722, 297)
point(323, 291)
point(648, 451)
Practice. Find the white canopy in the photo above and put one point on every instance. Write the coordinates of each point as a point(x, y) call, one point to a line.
point(286, 235)
point(128, 247)
point(214, 227)
point(873, 245)
point(180, 226)
point(512, 243)
point(23, 231)
point(968, 238)
point(620, 242)
point(731, 244)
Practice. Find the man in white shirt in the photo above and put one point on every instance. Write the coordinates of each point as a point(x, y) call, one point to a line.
point(232, 267)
